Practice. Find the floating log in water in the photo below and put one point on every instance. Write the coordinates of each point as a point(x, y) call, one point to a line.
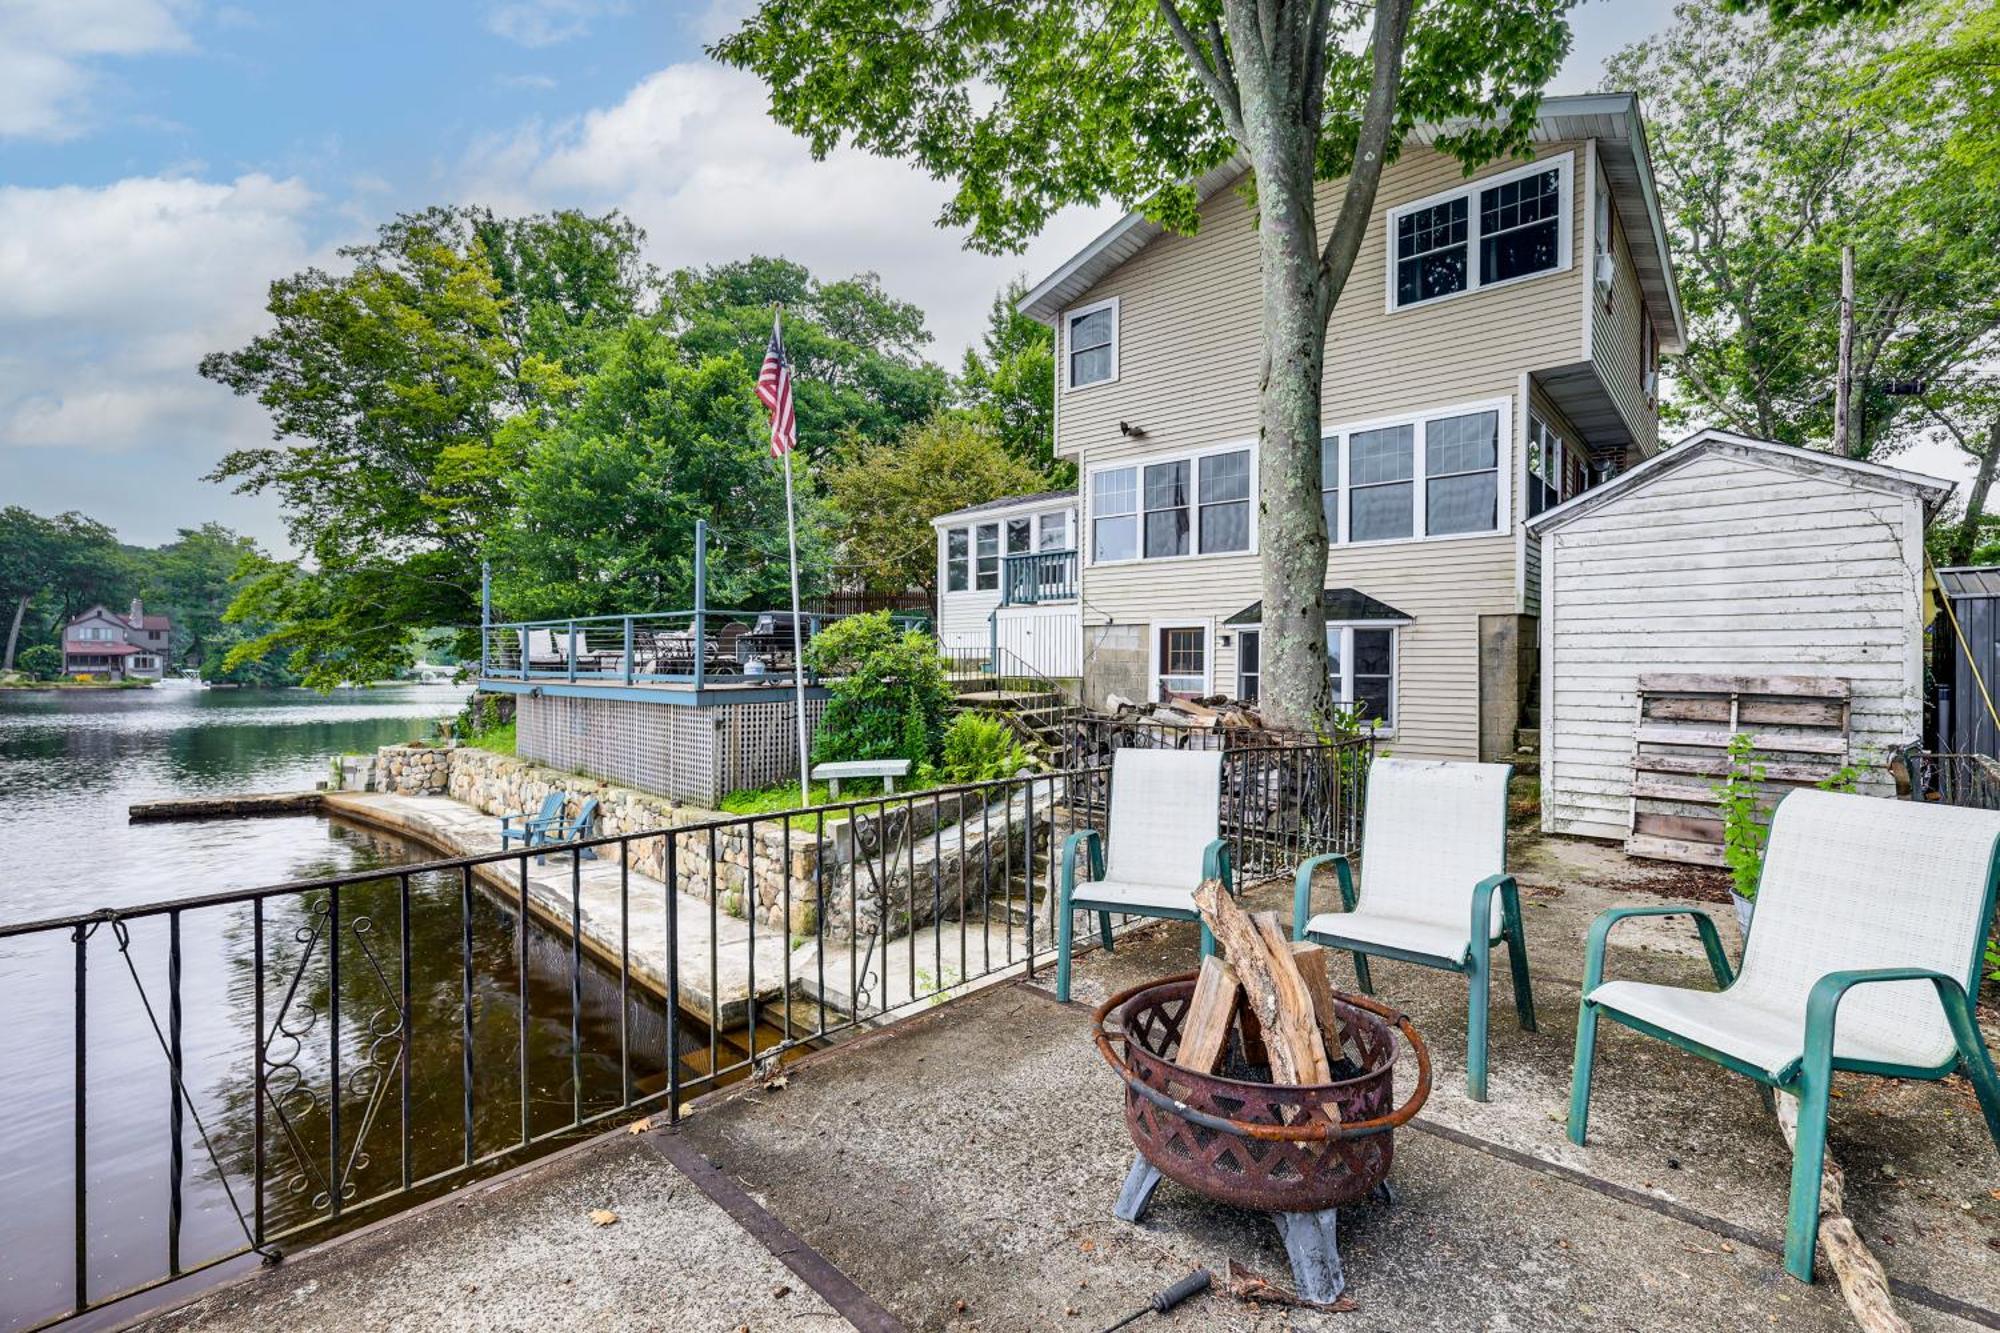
point(229, 807)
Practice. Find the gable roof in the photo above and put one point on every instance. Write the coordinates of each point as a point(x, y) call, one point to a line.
point(1786, 457)
point(1611, 118)
point(1009, 502)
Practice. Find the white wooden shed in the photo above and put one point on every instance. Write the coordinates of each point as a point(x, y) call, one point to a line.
point(1737, 559)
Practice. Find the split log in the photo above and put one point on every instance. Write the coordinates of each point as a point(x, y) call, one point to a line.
point(1862, 1280)
point(1311, 959)
point(1205, 1030)
point(1271, 985)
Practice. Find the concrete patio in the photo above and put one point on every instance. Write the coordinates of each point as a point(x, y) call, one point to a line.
point(957, 1172)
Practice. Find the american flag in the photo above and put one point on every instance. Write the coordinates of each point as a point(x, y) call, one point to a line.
point(774, 390)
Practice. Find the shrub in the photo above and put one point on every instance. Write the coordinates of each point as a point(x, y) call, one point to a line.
point(981, 749)
point(44, 661)
point(888, 696)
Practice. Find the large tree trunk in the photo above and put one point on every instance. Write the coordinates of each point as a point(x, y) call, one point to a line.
point(1291, 531)
point(1966, 541)
point(14, 632)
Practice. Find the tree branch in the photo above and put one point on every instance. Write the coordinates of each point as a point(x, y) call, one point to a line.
point(1222, 90)
point(1378, 121)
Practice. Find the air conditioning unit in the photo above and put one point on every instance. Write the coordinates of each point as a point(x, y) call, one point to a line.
point(1607, 270)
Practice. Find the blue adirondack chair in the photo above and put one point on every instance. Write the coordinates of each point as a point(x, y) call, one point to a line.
point(572, 830)
point(530, 830)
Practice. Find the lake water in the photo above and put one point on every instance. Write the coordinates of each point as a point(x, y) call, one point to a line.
point(70, 765)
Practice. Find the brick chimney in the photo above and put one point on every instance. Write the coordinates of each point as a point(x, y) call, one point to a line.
point(138, 613)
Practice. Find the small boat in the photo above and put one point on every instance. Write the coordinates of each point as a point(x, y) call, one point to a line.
point(187, 678)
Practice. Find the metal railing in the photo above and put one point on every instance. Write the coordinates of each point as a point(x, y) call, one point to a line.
point(697, 647)
point(389, 1034)
point(1038, 576)
point(345, 1046)
point(1953, 779)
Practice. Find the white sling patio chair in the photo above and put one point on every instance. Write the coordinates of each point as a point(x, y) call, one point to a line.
point(1434, 888)
point(1165, 838)
point(1869, 911)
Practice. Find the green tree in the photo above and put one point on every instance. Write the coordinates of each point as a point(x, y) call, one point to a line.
point(43, 661)
point(884, 496)
point(56, 567)
point(603, 510)
point(193, 580)
point(1775, 149)
point(405, 392)
point(888, 697)
point(1009, 385)
point(856, 353)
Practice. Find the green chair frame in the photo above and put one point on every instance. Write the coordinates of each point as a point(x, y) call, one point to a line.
point(1810, 1077)
point(1477, 966)
point(1216, 863)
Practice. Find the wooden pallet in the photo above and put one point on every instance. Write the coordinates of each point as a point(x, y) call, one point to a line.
point(1799, 725)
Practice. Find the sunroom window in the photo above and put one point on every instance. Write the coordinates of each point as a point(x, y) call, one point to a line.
point(986, 547)
point(957, 559)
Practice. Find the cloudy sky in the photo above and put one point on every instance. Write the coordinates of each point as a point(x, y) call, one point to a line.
point(162, 160)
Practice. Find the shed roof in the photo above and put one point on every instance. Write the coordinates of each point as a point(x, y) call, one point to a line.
point(1612, 119)
point(1010, 501)
point(1340, 604)
point(1970, 581)
point(1788, 457)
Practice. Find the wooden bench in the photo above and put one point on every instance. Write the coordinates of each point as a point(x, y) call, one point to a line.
point(886, 769)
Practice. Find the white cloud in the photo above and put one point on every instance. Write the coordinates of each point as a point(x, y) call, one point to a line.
point(114, 293)
point(692, 155)
point(49, 50)
point(535, 23)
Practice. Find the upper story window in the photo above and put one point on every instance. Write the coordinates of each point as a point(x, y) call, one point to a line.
point(1437, 475)
point(1091, 335)
point(1497, 230)
point(1197, 505)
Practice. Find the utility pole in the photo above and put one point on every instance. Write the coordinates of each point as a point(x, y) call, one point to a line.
point(1843, 389)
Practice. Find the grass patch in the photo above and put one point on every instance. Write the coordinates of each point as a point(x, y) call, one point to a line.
point(775, 800)
point(500, 739)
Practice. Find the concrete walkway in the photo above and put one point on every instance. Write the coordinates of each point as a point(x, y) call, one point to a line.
point(959, 1169)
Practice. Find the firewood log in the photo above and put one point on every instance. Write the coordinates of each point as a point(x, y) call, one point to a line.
point(1205, 1030)
point(1271, 985)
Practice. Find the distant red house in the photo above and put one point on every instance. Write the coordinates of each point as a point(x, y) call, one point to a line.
point(100, 642)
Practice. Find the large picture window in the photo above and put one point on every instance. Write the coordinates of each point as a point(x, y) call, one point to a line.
point(1093, 344)
point(1497, 230)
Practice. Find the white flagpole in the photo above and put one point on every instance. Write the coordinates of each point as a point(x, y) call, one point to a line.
point(798, 650)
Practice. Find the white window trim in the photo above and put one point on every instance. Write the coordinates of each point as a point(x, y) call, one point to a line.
point(1087, 546)
point(1154, 628)
point(999, 527)
point(1503, 408)
point(1069, 317)
point(1565, 163)
point(1346, 688)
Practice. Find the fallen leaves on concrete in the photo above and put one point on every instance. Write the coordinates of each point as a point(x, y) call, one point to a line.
point(603, 1217)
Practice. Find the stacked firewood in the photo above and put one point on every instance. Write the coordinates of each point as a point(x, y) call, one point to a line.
point(1206, 714)
point(1273, 991)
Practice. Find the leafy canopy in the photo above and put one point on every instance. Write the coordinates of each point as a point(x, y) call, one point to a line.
point(1008, 385)
point(888, 697)
point(884, 496)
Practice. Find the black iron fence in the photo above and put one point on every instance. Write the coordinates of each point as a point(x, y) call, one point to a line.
point(1953, 779)
point(290, 1060)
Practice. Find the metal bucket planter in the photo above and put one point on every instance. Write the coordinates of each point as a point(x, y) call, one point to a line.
point(1257, 1144)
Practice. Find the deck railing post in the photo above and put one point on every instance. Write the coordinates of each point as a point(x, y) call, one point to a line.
point(570, 651)
point(628, 650)
point(700, 601)
point(485, 612)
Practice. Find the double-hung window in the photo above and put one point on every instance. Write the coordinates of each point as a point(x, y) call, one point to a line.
point(1380, 469)
point(1114, 515)
point(1166, 509)
point(1329, 485)
point(1360, 666)
point(1092, 337)
point(1182, 661)
point(957, 559)
point(1020, 536)
point(986, 549)
point(1225, 502)
point(1462, 474)
point(1507, 227)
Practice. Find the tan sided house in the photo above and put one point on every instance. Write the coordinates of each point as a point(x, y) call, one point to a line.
point(1494, 355)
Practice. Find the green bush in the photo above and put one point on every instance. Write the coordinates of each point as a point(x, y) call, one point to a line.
point(887, 697)
point(981, 749)
point(43, 661)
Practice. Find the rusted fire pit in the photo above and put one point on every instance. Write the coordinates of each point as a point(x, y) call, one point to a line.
point(1252, 1143)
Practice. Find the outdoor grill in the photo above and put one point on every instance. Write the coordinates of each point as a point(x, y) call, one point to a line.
point(1245, 1141)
